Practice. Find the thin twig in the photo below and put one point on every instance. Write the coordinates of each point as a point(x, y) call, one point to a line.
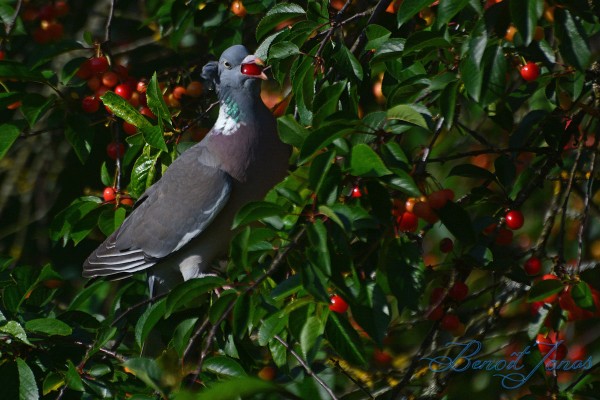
point(108, 27)
point(306, 367)
point(472, 153)
point(10, 26)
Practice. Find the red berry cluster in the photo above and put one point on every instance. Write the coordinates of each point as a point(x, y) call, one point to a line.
point(48, 28)
point(408, 212)
point(438, 300)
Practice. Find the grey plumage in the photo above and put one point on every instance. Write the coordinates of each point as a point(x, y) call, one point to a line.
point(183, 221)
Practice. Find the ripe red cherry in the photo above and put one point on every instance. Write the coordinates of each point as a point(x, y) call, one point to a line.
point(98, 65)
point(147, 112)
point(109, 194)
point(356, 192)
point(514, 219)
point(437, 295)
point(2, 55)
point(115, 150)
point(436, 314)
point(126, 201)
point(407, 222)
point(47, 13)
point(124, 91)
point(382, 357)
point(129, 129)
point(251, 69)
point(530, 71)
point(446, 245)
point(90, 104)
point(450, 322)
point(459, 291)
point(338, 304)
point(533, 266)
point(110, 79)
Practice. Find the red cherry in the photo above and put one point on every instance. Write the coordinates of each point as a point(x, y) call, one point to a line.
point(179, 92)
point(530, 71)
point(147, 112)
point(94, 83)
point(47, 13)
point(126, 201)
point(251, 69)
point(514, 219)
point(129, 129)
point(437, 295)
point(382, 357)
point(450, 322)
point(121, 71)
point(110, 79)
point(142, 86)
point(356, 192)
point(439, 198)
point(338, 304)
point(115, 150)
point(407, 222)
point(446, 245)
point(61, 8)
point(533, 266)
point(124, 91)
point(84, 71)
point(2, 55)
point(109, 194)
point(98, 65)
point(459, 291)
point(90, 104)
point(436, 314)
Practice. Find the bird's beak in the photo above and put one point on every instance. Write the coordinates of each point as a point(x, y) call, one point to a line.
point(253, 66)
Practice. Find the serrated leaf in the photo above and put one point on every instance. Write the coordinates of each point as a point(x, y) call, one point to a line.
point(403, 181)
point(80, 134)
point(105, 177)
point(573, 40)
point(255, 211)
point(48, 326)
point(148, 321)
point(156, 101)
point(184, 295)
point(582, 295)
point(391, 49)
point(277, 14)
point(322, 137)
point(18, 71)
point(35, 106)
point(312, 329)
point(377, 35)
point(290, 131)
point(283, 50)
point(524, 15)
point(27, 386)
point(14, 329)
point(73, 379)
point(271, 327)
point(344, 339)
point(9, 135)
point(146, 370)
point(406, 113)
point(366, 163)
point(348, 64)
point(223, 366)
point(152, 134)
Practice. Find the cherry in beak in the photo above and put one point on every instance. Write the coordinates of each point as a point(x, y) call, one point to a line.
point(253, 66)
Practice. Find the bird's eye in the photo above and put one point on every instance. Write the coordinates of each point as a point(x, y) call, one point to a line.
point(227, 64)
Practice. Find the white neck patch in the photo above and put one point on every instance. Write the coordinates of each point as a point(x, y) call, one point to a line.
point(226, 123)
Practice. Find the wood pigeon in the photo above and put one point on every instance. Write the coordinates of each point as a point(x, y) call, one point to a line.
point(183, 222)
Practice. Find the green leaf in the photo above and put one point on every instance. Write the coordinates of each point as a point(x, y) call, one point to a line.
point(148, 320)
point(242, 315)
point(323, 137)
point(425, 40)
point(52, 382)
point(80, 134)
point(446, 10)
point(156, 101)
point(366, 163)
point(18, 71)
point(153, 135)
point(311, 331)
point(390, 50)
point(403, 272)
point(142, 171)
point(233, 389)
point(458, 222)
point(326, 102)
point(186, 294)
point(14, 329)
point(406, 113)
point(543, 289)
point(524, 15)
point(9, 135)
point(147, 370)
point(372, 311)
point(290, 131)
point(255, 211)
point(35, 106)
point(403, 181)
point(223, 366)
point(582, 295)
point(494, 74)
point(409, 8)
point(572, 38)
point(183, 334)
point(348, 64)
point(73, 379)
point(283, 50)
point(318, 251)
point(471, 171)
point(65, 221)
point(272, 326)
point(277, 14)
point(48, 326)
point(448, 103)
point(377, 35)
point(344, 339)
point(27, 386)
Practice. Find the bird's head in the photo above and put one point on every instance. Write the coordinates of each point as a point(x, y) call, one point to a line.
point(236, 69)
